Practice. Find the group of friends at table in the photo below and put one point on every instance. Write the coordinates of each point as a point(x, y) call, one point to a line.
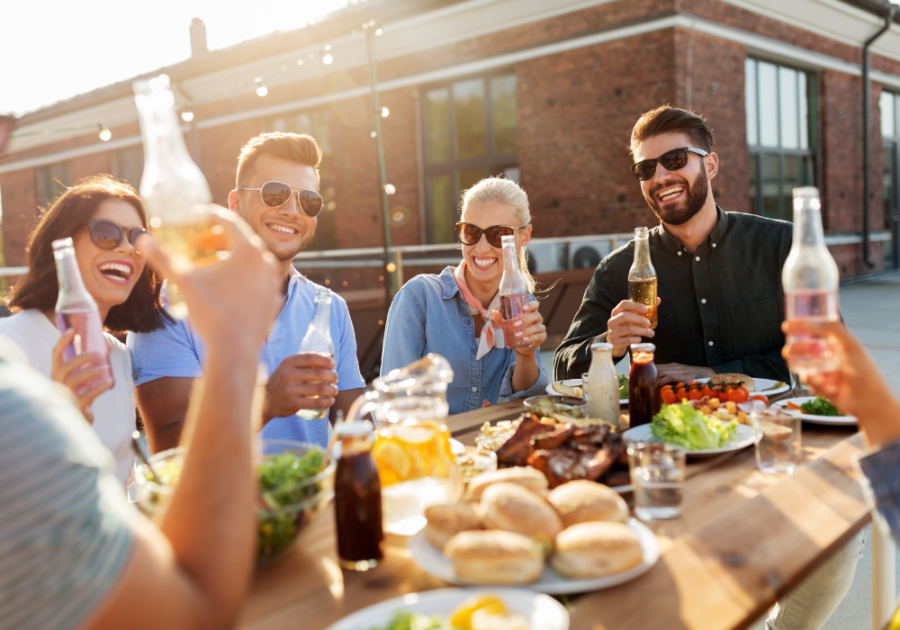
point(75, 554)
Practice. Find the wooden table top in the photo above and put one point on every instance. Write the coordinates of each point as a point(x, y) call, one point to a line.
point(744, 540)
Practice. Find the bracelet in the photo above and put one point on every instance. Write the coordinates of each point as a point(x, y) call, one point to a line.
point(522, 354)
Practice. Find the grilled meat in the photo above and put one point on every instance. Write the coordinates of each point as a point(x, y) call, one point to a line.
point(516, 449)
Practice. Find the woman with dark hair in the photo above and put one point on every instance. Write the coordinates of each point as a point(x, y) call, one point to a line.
point(103, 217)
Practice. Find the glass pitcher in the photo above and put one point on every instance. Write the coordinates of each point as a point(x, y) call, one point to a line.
point(412, 445)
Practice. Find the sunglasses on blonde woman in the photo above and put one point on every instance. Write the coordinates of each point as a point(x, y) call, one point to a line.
point(469, 234)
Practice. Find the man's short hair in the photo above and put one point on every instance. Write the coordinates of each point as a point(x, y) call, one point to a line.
point(667, 119)
point(293, 147)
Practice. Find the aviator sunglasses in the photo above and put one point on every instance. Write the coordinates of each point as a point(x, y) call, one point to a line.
point(671, 161)
point(107, 235)
point(276, 194)
point(469, 234)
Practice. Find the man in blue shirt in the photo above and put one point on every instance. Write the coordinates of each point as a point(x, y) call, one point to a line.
point(277, 195)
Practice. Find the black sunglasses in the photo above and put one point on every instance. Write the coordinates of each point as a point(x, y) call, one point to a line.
point(276, 194)
point(671, 161)
point(469, 234)
point(107, 235)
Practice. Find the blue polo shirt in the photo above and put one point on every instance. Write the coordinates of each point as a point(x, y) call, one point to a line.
point(177, 350)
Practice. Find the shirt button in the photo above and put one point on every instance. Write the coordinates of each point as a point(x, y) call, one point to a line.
point(697, 259)
point(714, 245)
point(703, 301)
point(710, 343)
point(679, 253)
point(475, 389)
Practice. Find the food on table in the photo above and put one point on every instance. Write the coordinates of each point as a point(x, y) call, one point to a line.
point(718, 400)
point(445, 521)
point(475, 460)
point(566, 390)
point(596, 549)
point(582, 501)
point(820, 407)
point(777, 385)
point(524, 476)
point(496, 557)
point(483, 611)
point(548, 405)
point(493, 436)
point(685, 426)
point(734, 381)
point(623, 387)
point(512, 508)
point(762, 398)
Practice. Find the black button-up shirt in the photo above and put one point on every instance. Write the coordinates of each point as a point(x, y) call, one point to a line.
point(722, 305)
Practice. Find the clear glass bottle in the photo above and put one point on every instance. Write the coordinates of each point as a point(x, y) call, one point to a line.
point(173, 188)
point(642, 275)
point(513, 294)
point(318, 339)
point(602, 386)
point(643, 389)
point(810, 278)
point(76, 309)
point(357, 499)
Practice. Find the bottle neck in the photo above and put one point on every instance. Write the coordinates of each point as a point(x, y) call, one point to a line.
point(322, 317)
point(808, 232)
point(72, 292)
point(601, 356)
point(642, 253)
point(512, 281)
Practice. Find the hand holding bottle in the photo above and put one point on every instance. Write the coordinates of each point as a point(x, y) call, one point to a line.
point(529, 329)
point(87, 375)
point(303, 381)
point(628, 322)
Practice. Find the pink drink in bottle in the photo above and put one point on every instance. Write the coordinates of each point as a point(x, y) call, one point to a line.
point(76, 309)
point(513, 294)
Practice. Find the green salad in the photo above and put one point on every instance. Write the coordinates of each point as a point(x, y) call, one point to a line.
point(623, 387)
point(820, 407)
point(417, 621)
point(686, 427)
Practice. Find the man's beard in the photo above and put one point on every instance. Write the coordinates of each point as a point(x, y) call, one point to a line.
point(695, 196)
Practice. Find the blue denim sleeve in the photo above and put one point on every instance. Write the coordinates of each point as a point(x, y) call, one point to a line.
point(882, 470)
point(404, 332)
point(539, 387)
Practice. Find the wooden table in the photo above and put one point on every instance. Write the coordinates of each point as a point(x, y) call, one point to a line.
point(745, 539)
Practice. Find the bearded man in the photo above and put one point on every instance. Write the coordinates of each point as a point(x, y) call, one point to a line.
point(720, 303)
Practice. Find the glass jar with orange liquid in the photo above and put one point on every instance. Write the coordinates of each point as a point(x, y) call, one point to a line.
point(412, 445)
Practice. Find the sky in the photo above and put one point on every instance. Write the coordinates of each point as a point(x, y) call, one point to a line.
point(54, 49)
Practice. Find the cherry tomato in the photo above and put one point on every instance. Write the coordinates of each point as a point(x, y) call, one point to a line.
point(708, 392)
point(681, 394)
point(695, 394)
point(679, 386)
point(761, 397)
point(668, 396)
point(738, 395)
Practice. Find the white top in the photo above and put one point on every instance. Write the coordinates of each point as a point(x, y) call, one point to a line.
point(114, 419)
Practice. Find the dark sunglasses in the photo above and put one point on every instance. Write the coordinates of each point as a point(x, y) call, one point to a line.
point(469, 234)
point(276, 194)
point(671, 161)
point(108, 235)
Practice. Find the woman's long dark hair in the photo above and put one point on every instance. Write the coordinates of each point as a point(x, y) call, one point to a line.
point(39, 287)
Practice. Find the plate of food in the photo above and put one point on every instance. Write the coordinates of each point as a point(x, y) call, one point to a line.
point(754, 385)
point(449, 608)
point(699, 433)
point(514, 530)
point(817, 410)
point(575, 387)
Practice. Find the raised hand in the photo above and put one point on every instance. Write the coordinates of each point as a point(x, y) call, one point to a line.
point(627, 325)
point(302, 381)
point(87, 375)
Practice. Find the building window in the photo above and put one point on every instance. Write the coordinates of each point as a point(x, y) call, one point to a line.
point(52, 181)
point(470, 133)
point(890, 135)
point(315, 123)
point(780, 104)
point(128, 165)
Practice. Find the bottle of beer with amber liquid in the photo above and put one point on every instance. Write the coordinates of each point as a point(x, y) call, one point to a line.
point(643, 388)
point(513, 293)
point(642, 275)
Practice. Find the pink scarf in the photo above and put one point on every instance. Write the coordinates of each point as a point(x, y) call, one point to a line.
point(490, 338)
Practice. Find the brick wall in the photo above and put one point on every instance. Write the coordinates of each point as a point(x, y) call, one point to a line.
point(19, 213)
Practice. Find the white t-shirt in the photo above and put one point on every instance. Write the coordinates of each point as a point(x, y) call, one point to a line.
point(114, 420)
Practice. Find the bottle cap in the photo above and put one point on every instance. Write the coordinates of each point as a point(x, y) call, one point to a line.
point(62, 243)
point(508, 241)
point(643, 347)
point(602, 346)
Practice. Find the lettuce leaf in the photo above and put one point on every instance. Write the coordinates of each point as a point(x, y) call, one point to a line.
point(686, 427)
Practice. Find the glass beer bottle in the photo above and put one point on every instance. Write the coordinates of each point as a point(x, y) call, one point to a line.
point(642, 275)
point(643, 388)
point(318, 340)
point(810, 278)
point(173, 188)
point(76, 309)
point(513, 294)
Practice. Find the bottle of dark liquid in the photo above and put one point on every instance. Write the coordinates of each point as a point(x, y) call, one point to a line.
point(357, 499)
point(643, 389)
point(642, 275)
point(513, 294)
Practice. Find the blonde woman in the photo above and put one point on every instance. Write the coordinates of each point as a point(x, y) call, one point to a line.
point(455, 314)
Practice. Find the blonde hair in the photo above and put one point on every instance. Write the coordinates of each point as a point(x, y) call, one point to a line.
point(509, 193)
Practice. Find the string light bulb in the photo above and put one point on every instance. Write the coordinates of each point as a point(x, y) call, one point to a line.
point(327, 60)
point(389, 189)
point(373, 134)
point(105, 134)
point(261, 89)
point(187, 115)
point(299, 62)
point(385, 112)
point(379, 32)
point(327, 48)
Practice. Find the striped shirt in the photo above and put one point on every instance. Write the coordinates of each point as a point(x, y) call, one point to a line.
point(65, 526)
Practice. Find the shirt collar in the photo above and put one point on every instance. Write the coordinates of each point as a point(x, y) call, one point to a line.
point(448, 282)
point(295, 279)
point(715, 237)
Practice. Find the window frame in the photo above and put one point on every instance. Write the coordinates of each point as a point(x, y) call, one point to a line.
point(892, 144)
point(41, 173)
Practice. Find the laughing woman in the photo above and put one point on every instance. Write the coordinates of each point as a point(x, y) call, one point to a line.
point(450, 314)
point(103, 217)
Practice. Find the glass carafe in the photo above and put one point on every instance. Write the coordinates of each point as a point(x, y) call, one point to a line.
point(412, 445)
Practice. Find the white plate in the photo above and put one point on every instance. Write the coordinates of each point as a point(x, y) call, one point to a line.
point(542, 611)
point(574, 382)
point(456, 447)
point(762, 386)
point(742, 439)
point(840, 421)
point(431, 559)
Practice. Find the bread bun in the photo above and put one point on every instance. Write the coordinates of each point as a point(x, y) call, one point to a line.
point(512, 508)
point(445, 521)
point(495, 557)
point(734, 379)
point(592, 550)
point(582, 501)
point(525, 476)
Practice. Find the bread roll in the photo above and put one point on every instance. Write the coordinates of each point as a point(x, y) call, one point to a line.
point(525, 476)
point(495, 557)
point(592, 550)
point(582, 501)
point(445, 521)
point(512, 508)
point(734, 379)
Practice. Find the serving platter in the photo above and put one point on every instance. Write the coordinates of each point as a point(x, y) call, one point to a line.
point(573, 382)
point(765, 386)
point(432, 560)
point(837, 421)
point(742, 439)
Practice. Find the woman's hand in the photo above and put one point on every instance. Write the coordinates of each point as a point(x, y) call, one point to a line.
point(87, 375)
point(529, 328)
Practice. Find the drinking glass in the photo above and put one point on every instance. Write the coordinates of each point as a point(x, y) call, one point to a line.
point(778, 446)
point(657, 473)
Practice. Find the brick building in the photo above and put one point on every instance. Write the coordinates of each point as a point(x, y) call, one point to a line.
point(544, 91)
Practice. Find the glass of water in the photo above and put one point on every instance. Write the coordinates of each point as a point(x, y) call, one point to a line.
point(778, 446)
point(657, 473)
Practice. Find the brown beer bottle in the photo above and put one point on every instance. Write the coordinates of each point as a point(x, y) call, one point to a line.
point(643, 387)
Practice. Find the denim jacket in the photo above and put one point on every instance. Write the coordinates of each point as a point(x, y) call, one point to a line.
point(429, 315)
